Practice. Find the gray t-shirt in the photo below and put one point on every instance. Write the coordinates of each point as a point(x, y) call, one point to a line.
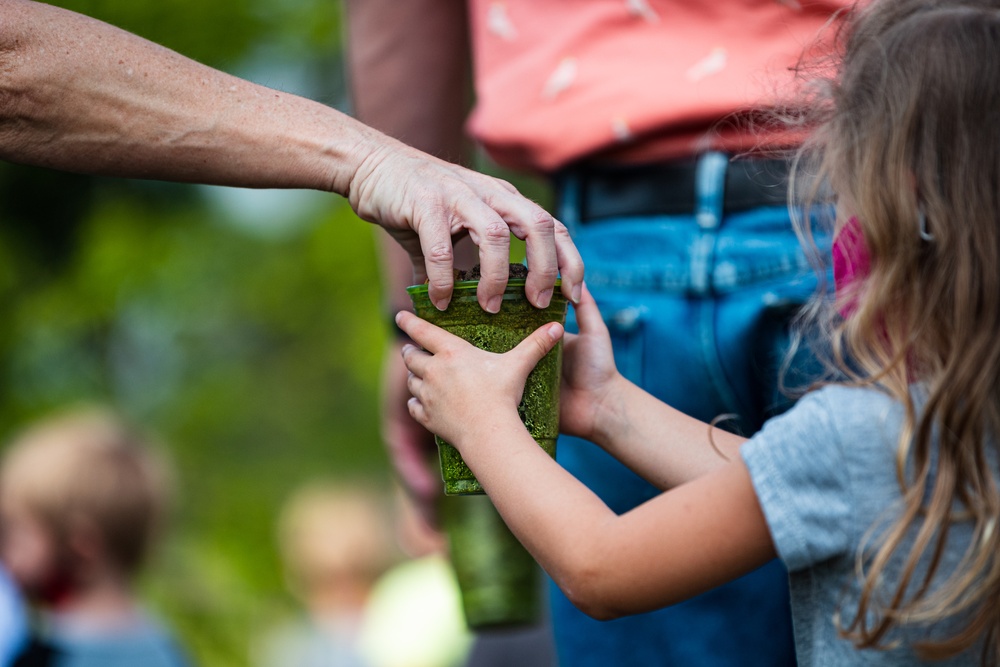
point(824, 473)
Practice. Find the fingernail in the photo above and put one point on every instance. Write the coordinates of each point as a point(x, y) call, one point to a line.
point(544, 298)
point(554, 331)
point(441, 304)
point(576, 293)
point(493, 305)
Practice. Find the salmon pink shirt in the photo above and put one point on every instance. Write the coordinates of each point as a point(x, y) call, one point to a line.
point(632, 80)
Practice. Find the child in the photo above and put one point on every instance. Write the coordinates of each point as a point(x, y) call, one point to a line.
point(335, 542)
point(82, 499)
point(365, 606)
point(880, 492)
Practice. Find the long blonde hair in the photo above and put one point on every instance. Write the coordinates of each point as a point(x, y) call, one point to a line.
point(909, 140)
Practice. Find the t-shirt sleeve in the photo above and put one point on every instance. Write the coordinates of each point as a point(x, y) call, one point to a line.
point(802, 482)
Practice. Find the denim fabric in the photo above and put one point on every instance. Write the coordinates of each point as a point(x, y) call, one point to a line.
point(698, 307)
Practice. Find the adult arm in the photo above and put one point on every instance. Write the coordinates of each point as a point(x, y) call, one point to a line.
point(80, 95)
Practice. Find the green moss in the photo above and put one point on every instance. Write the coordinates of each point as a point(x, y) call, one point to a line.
point(500, 332)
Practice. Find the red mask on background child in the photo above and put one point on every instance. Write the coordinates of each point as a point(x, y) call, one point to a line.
point(851, 264)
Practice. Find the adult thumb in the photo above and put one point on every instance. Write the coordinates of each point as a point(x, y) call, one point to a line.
point(531, 350)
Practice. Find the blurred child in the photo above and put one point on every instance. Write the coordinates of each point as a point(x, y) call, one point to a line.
point(82, 499)
point(365, 606)
point(879, 491)
point(336, 541)
point(414, 616)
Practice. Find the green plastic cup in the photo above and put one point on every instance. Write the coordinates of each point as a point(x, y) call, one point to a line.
point(501, 584)
point(500, 332)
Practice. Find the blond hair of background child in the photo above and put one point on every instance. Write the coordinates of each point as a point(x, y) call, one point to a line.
point(878, 491)
point(83, 499)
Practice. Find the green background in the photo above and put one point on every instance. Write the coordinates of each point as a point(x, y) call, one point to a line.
point(243, 327)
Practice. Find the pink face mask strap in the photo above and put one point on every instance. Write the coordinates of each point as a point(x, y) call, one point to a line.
point(851, 264)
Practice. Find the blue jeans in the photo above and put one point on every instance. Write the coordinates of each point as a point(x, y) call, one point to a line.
point(698, 307)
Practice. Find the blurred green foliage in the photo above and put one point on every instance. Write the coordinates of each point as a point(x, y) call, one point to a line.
point(251, 344)
point(255, 359)
point(254, 356)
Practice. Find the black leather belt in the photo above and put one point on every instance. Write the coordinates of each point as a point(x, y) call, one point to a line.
point(669, 188)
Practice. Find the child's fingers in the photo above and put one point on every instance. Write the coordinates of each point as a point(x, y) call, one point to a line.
point(415, 385)
point(425, 334)
point(588, 316)
point(415, 359)
point(531, 350)
point(416, 409)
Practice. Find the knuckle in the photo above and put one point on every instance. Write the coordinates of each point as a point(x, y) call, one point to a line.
point(542, 221)
point(560, 230)
point(439, 253)
point(546, 271)
point(497, 232)
point(506, 185)
point(540, 344)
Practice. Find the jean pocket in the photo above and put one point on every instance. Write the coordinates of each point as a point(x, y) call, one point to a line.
point(627, 325)
point(788, 361)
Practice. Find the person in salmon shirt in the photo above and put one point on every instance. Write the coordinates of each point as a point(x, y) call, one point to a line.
point(649, 120)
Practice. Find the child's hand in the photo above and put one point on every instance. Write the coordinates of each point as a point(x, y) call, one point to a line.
point(588, 371)
point(460, 391)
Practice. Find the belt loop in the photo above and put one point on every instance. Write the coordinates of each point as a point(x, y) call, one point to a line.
point(710, 189)
point(568, 199)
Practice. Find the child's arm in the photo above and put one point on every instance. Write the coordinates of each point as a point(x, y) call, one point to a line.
point(681, 543)
point(663, 445)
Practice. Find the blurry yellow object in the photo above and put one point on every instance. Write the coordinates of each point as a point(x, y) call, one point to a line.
point(414, 617)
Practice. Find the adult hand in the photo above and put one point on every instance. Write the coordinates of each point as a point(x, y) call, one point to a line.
point(588, 371)
point(426, 204)
point(87, 97)
point(411, 447)
point(449, 378)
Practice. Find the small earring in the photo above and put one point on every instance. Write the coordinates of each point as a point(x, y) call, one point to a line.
point(924, 234)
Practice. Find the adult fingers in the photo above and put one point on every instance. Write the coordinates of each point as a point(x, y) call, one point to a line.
point(532, 224)
point(549, 248)
point(488, 230)
point(438, 261)
point(417, 261)
point(570, 263)
point(407, 451)
point(472, 214)
point(536, 228)
point(410, 446)
point(493, 240)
